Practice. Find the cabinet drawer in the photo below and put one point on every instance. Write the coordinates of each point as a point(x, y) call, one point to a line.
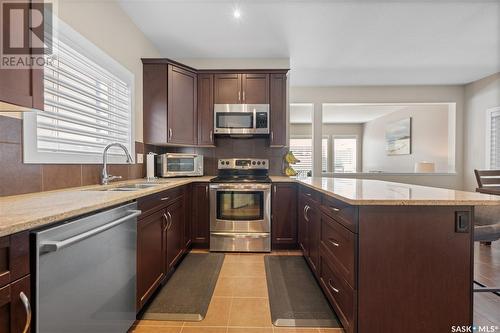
point(341, 211)
point(153, 202)
point(341, 295)
point(14, 257)
point(309, 193)
point(340, 245)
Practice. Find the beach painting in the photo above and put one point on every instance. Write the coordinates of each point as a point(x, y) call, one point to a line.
point(398, 137)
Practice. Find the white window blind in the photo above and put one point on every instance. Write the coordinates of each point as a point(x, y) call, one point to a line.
point(344, 154)
point(302, 149)
point(494, 138)
point(87, 105)
point(324, 154)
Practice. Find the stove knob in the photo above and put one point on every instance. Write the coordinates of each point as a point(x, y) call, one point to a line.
point(258, 163)
point(253, 162)
point(227, 162)
point(263, 162)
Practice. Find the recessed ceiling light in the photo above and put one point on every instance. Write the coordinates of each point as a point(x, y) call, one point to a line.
point(237, 13)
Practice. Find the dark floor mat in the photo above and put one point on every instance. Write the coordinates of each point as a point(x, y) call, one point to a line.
point(187, 294)
point(295, 297)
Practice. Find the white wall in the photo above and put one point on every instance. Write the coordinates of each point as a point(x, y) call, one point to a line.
point(106, 25)
point(479, 97)
point(429, 140)
point(392, 94)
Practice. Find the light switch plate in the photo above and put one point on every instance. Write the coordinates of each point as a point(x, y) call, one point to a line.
point(140, 158)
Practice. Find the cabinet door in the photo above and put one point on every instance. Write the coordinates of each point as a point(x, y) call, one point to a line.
point(175, 232)
point(278, 105)
point(150, 255)
point(182, 121)
point(22, 87)
point(14, 314)
point(314, 234)
point(284, 216)
point(155, 103)
point(206, 109)
point(227, 88)
point(188, 197)
point(302, 226)
point(200, 229)
point(255, 88)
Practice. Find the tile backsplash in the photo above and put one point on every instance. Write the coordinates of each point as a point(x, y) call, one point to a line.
point(19, 178)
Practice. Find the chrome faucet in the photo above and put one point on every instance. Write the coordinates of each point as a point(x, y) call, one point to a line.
point(105, 178)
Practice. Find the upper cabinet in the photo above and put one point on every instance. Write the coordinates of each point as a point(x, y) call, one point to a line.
point(278, 105)
point(169, 103)
point(178, 101)
point(236, 88)
point(22, 87)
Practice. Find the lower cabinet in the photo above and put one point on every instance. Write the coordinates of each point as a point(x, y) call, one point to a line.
point(200, 215)
point(15, 313)
point(150, 255)
point(284, 216)
point(161, 239)
point(309, 229)
point(175, 216)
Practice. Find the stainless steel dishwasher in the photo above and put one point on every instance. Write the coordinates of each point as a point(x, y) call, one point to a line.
point(86, 273)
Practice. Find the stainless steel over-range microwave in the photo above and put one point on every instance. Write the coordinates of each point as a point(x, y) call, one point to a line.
point(241, 119)
point(179, 165)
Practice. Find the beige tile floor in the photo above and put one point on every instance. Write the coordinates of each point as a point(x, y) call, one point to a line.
point(240, 303)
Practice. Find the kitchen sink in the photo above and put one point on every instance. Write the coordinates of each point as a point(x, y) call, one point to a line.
point(125, 188)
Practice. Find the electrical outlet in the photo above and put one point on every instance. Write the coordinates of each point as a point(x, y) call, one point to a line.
point(140, 158)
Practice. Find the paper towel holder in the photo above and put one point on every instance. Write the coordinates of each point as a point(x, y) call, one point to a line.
point(150, 167)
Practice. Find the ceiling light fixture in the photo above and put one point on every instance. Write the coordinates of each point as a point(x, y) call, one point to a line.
point(237, 13)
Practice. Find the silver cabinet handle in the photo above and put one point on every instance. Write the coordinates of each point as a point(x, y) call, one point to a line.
point(239, 96)
point(307, 194)
point(171, 221)
point(335, 209)
point(304, 212)
point(206, 191)
point(334, 243)
point(274, 188)
point(165, 198)
point(243, 96)
point(211, 136)
point(166, 222)
point(272, 136)
point(170, 133)
point(306, 209)
point(27, 308)
point(52, 246)
point(331, 286)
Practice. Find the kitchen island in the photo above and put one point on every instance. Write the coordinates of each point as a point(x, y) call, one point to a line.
point(390, 257)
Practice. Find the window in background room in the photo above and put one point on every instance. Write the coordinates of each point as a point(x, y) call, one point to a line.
point(88, 104)
point(302, 149)
point(344, 154)
point(493, 138)
point(324, 154)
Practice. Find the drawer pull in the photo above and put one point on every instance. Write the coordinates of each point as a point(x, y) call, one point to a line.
point(308, 194)
point(334, 243)
point(27, 308)
point(331, 286)
point(165, 198)
point(335, 209)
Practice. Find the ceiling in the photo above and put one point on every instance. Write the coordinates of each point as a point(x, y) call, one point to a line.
point(336, 42)
point(352, 113)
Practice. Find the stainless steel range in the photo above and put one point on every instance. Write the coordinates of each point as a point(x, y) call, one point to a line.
point(240, 206)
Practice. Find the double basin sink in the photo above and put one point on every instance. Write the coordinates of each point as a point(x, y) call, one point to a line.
point(126, 188)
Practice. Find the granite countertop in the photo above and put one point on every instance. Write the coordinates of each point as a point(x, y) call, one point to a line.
point(28, 211)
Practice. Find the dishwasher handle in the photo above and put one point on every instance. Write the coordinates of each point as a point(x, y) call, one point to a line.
point(52, 246)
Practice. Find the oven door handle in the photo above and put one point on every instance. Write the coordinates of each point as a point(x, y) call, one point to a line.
point(241, 235)
point(245, 187)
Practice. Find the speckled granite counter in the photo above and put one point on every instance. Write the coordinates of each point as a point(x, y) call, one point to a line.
point(23, 212)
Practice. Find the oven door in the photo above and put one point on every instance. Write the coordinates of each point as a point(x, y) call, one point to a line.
point(240, 207)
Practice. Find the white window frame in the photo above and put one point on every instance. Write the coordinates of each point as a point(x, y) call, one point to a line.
point(489, 114)
point(31, 154)
point(303, 136)
point(344, 136)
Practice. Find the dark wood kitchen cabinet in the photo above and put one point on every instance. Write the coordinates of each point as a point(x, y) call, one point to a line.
point(14, 282)
point(150, 255)
point(284, 216)
point(206, 110)
point(175, 230)
point(200, 219)
point(22, 87)
point(14, 313)
point(278, 106)
point(309, 226)
point(169, 103)
point(241, 88)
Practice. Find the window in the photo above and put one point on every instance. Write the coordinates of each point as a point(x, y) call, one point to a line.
point(302, 149)
point(88, 104)
point(344, 154)
point(493, 138)
point(324, 154)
